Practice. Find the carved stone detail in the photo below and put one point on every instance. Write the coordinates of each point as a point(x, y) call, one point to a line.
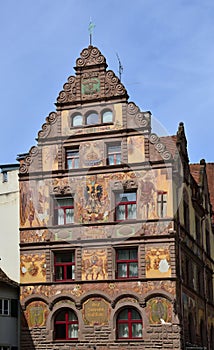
point(160, 147)
point(46, 127)
point(141, 119)
point(90, 56)
point(69, 92)
point(24, 167)
point(113, 86)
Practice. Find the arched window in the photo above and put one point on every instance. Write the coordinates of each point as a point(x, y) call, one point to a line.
point(65, 325)
point(92, 118)
point(77, 120)
point(129, 324)
point(107, 117)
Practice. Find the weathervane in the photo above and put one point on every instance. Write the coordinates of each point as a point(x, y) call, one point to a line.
point(120, 66)
point(91, 27)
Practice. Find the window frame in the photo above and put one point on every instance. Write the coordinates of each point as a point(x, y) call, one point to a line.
point(74, 149)
point(2, 307)
point(64, 264)
point(161, 204)
point(125, 204)
point(64, 207)
point(100, 121)
point(65, 322)
point(129, 322)
point(114, 154)
point(126, 262)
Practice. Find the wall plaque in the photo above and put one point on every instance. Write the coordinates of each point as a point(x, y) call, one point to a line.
point(96, 311)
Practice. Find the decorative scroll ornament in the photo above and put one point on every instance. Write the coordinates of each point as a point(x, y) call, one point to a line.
point(160, 147)
point(46, 127)
point(113, 86)
point(90, 56)
point(142, 119)
point(24, 167)
point(69, 92)
point(61, 187)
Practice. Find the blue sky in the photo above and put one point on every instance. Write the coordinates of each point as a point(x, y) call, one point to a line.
point(165, 46)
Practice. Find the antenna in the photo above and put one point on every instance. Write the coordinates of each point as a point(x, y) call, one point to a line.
point(120, 66)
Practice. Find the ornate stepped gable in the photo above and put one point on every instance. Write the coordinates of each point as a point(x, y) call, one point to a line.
point(92, 81)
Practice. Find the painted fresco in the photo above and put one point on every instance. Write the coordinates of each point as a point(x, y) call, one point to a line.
point(36, 314)
point(159, 310)
point(96, 311)
point(32, 268)
point(157, 262)
point(135, 146)
point(94, 264)
point(50, 157)
point(35, 203)
point(92, 154)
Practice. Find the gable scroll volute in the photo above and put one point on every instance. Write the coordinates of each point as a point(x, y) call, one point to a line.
point(31, 162)
point(92, 81)
point(50, 127)
point(160, 147)
point(137, 119)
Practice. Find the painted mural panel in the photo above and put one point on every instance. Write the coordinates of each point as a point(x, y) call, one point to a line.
point(158, 262)
point(50, 157)
point(32, 268)
point(159, 310)
point(96, 311)
point(36, 314)
point(136, 152)
point(92, 154)
point(94, 264)
point(35, 203)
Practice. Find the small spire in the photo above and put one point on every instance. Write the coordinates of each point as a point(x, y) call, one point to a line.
point(91, 27)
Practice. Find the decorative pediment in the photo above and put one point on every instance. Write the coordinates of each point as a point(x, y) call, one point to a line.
point(25, 164)
point(159, 147)
point(136, 118)
point(92, 82)
point(46, 127)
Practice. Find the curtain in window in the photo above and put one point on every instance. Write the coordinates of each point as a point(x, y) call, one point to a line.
point(133, 269)
point(136, 330)
point(73, 331)
point(132, 211)
point(120, 212)
point(60, 217)
point(123, 330)
point(69, 216)
point(122, 270)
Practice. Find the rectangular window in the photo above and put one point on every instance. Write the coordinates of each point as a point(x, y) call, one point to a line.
point(72, 158)
point(64, 266)
point(162, 204)
point(5, 348)
point(64, 211)
point(127, 263)
point(126, 207)
point(114, 154)
point(4, 307)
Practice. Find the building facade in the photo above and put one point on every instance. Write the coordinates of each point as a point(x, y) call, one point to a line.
point(9, 313)
point(9, 217)
point(116, 244)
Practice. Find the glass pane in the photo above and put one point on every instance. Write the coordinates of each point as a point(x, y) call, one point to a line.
point(65, 202)
point(114, 149)
point(126, 197)
point(1, 301)
point(110, 160)
point(132, 211)
point(6, 307)
point(73, 331)
point(65, 257)
point(118, 158)
point(60, 220)
point(123, 315)
point(123, 330)
point(123, 254)
point(69, 216)
point(72, 316)
point(135, 315)
point(120, 212)
point(107, 117)
point(136, 330)
point(133, 254)
point(59, 273)
point(70, 272)
point(92, 118)
point(61, 316)
point(133, 269)
point(60, 330)
point(76, 163)
point(122, 270)
point(77, 120)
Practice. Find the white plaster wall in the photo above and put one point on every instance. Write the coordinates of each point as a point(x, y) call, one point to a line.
point(9, 225)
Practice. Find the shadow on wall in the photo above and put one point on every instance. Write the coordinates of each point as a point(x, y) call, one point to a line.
point(26, 341)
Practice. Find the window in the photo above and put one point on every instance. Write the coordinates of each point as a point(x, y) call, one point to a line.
point(72, 158)
point(5, 176)
point(107, 117)
point(66, 325)
point(129, 324)
point(64, 266)
point(77, 120)
point(198, 229)
point(4, 307)
point(162, 204)
point(127, 263)
point(207, 242)
point(114, 154)
point(5, 347)
point(92, 118)
point(64, 211)
point(126, 208)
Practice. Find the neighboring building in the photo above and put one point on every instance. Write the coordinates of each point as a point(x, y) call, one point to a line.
point(9, 310)
point(9, 218)
point(115, 232)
